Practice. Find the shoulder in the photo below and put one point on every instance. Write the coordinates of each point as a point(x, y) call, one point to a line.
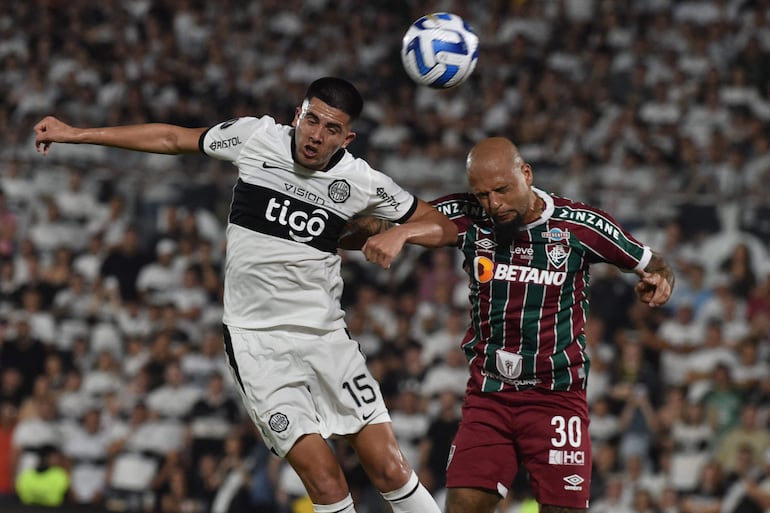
point(579, 213)
point(459, 205)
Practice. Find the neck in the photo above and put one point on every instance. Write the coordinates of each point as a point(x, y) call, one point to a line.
point(537, 208)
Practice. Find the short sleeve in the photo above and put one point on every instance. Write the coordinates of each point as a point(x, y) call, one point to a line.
point(224, 141)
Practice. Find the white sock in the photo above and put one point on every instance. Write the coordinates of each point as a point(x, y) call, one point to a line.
point(413, 497)
point(343, 506)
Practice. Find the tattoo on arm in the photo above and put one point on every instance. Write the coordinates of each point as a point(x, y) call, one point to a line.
point(357, 230)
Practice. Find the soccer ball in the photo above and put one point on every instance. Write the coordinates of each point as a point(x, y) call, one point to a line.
point(439, 50)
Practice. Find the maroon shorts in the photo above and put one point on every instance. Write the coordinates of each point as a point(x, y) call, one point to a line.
point(545, 431)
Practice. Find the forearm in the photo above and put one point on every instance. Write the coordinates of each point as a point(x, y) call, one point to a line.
point(361, 228)
point(428, 233)
point(149, 137)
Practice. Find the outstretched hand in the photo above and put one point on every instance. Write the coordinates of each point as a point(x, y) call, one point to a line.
point(50, 130)
point(653, 289)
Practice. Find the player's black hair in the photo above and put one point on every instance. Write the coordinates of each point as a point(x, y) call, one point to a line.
point(337, 93)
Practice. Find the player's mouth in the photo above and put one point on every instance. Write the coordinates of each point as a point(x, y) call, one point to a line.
point(506, 216)
point(309, 151)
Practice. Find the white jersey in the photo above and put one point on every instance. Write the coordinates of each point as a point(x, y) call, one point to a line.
point(282, 267)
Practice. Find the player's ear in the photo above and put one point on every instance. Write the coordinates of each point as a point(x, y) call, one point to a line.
point(526, 170)
point(349, 139)
point(297, 115)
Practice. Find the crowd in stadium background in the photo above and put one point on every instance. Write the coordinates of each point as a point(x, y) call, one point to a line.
point(110, 281)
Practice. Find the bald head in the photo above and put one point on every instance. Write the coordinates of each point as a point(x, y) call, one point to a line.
point(492, 155)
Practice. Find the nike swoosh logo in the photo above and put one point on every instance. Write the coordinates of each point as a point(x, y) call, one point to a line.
point(268, 166)
point(368, 415)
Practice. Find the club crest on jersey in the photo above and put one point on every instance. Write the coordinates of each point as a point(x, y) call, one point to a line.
point(508, 364)
point(556, 235)
point(339, 191)
point(557, 254)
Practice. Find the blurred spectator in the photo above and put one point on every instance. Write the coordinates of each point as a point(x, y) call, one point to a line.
point(612, 500)
point(435, 446)
point(175, 398)
point(124, 262)
point(707, 495)
point(611, 298)
point(211, 419)
point(51, 231)
point(112, 222)
point(89, 262)
point(723, 403)
point(8, 419)
point(33, 436)
point(75, 202)
point(676, 338)
point(410, 422)
point(22, 351)
point(750, 370)
point(86, 448)
point(448, 374)
point(691, 438)
point(448, 336)
point(740, 271)
point(157, 281)
point(45, 484)
point(702, 363)
point(104, 377)
point(605, 426)
point(751, 433)
point(199, 363)
point(757, 488)
point(11, 386)
point(8, 228)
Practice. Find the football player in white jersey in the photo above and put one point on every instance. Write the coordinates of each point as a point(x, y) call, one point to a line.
point(301, 377)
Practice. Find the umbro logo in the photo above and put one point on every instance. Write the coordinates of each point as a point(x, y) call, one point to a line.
point(573, 482)
point(486, 244)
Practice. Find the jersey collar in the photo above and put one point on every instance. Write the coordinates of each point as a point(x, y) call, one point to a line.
point(547, 211)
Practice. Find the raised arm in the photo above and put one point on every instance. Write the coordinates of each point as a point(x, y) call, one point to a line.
point(427, 227)
point(150, 137)
point(656, 282)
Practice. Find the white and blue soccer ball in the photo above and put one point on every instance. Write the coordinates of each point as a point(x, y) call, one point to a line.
point(440, 50)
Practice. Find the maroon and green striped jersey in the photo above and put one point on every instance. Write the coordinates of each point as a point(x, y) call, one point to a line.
point(529, 301)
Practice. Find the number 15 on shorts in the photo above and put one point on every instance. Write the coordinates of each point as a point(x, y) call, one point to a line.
point(360, 390)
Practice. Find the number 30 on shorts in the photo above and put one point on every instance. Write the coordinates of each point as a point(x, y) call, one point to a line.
point(567, 431)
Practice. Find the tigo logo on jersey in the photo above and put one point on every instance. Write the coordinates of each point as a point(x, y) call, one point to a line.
point(485, 270)
point(300, 222)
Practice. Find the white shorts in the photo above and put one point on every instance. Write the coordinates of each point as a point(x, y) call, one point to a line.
point(297, 382)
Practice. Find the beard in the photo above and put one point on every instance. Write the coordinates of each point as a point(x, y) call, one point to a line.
point(506, 232)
